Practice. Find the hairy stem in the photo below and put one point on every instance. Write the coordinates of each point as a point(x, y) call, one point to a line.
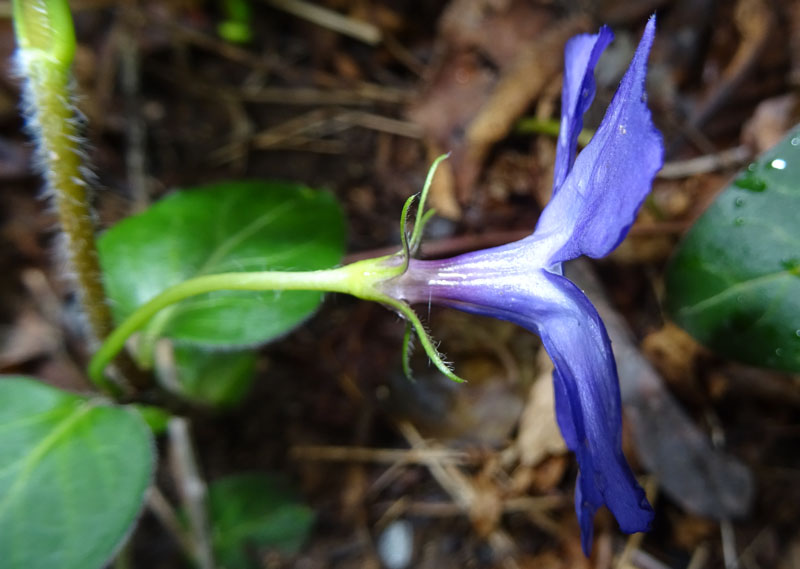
point(46, 40)
point(65, 180)
point(47, 46)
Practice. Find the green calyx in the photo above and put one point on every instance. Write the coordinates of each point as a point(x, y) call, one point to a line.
point(44, 30)
point(411, 245)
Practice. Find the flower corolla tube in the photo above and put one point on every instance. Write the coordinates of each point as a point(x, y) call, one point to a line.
point(595, 199)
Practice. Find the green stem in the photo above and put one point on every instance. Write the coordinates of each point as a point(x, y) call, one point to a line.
point(355, 279)
point(533, 125)
point(47, 46)
point(46, 40)
point(71, 194)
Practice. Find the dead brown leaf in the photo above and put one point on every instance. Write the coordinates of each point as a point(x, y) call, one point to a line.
point(497, 57)
point(674, 353)
point(530, 73)
point(539, 435)
point(30, 336)
point(770, 121)
point(487, 505)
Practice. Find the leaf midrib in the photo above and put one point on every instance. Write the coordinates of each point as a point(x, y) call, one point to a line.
point(227, 245)
point(36, 454)
point(735, 289)
point(217, 254)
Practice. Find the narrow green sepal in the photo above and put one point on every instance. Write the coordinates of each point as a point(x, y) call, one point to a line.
point(404, 237)
point(424, 339)
point(426, 217)
point(422, 217)
point(408, 347)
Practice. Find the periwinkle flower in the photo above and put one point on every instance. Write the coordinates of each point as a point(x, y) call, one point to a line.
point(595, 199)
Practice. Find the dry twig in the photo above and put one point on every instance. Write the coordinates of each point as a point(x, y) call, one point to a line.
point(334, 21)
point(192, 489)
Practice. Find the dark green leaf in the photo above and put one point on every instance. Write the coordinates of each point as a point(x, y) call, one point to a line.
point(155, 417)
point(235, 226)
point(734, 283)
point(73, 474)
point(215, 378)
point(251, 513)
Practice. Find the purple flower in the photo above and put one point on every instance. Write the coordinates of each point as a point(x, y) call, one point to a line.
point(595, 199)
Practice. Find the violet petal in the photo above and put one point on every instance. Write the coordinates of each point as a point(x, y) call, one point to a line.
point(598, 201)
point(577, 93)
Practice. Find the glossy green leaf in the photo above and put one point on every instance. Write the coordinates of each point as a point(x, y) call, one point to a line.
point(73, 475)
point(235, 226)
point(734, 283)
point(219, 379)
point(252, 513)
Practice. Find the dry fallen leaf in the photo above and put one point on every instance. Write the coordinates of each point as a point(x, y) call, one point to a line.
point(497, 57)
point(539, 435)
point(29, 337)
point(770, 122)
point(519, 84)
point(673, 352)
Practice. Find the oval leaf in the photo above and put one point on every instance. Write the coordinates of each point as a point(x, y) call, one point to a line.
point(235, 226)
point(734, 283)
point(73, 475)
point(219, 379)
point(251, 513)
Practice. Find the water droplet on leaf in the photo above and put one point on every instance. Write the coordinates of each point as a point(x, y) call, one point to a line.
point(739, 221)
point(739, 202)
point(778, 164)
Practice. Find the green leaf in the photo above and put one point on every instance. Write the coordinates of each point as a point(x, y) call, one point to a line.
point(235, 226)
point(734, 283)
point(73, 475)
point(220, 379)
point(155, 417)
point(252, 513)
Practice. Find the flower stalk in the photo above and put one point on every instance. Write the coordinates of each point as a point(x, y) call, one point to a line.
point(349, 279)
point(46, 51)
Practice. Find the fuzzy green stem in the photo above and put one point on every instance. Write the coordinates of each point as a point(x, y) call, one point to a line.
point(46, 50)
point(355, 279)
point(44, 29)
